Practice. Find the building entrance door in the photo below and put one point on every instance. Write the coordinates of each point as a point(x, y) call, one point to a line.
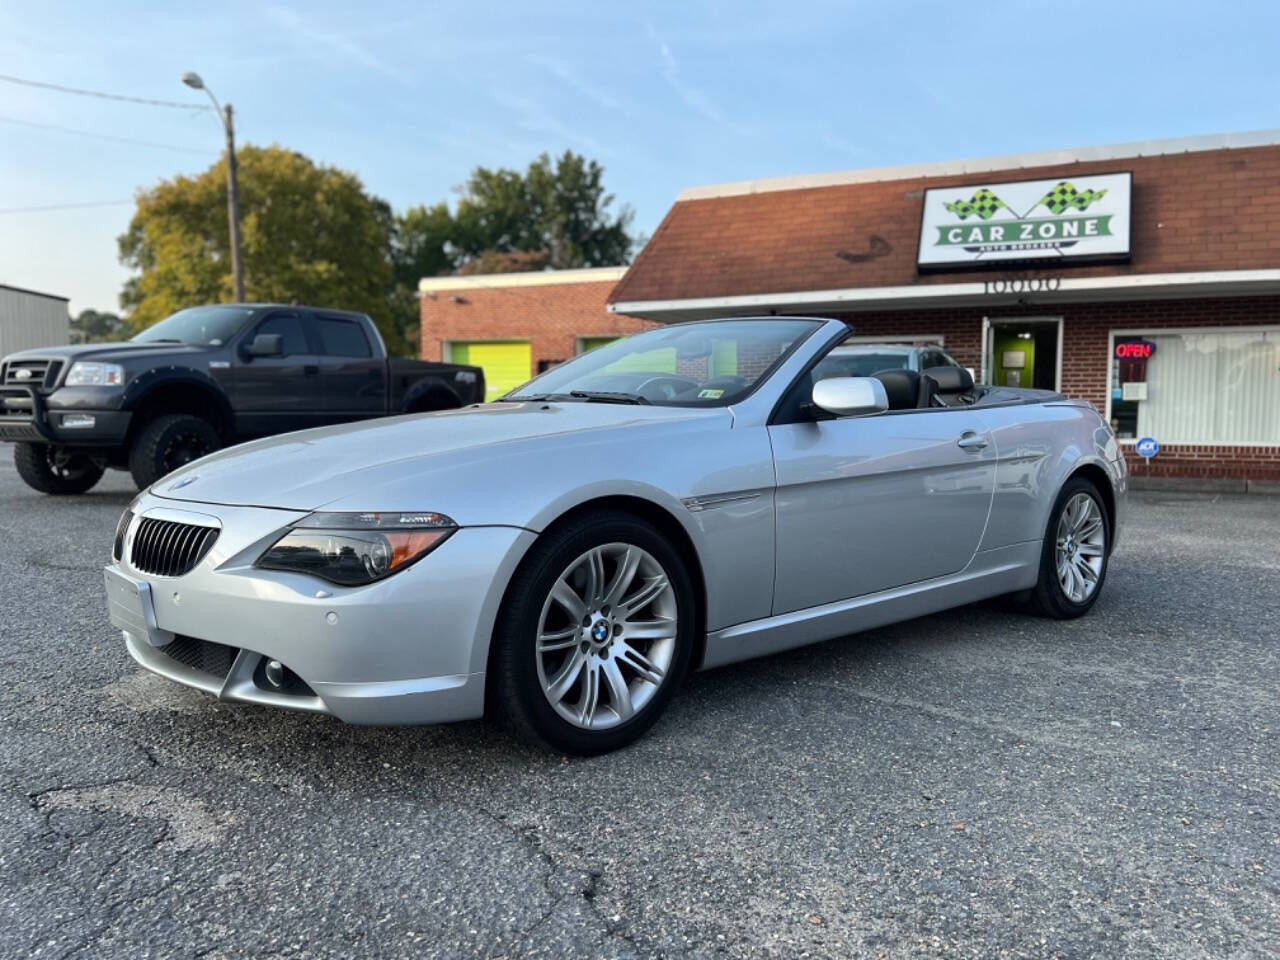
point(1022, 352)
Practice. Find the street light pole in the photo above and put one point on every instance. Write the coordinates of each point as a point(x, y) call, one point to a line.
point(233, 190)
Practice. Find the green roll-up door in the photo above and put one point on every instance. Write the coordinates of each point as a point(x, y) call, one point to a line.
point(506, 363)
point(591, 343)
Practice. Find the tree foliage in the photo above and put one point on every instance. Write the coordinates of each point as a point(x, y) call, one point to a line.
point(311, 234)
point(96, 326)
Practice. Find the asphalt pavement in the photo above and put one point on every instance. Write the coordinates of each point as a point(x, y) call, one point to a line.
point(978, 783)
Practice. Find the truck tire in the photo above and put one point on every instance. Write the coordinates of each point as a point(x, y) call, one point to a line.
point(167, 443)
point(51, 470)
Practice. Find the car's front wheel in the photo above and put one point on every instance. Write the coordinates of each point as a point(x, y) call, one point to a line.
point(167, 443)
point(1073, 562)
point(595, 636)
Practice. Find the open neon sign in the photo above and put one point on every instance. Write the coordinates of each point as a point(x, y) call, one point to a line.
point(1135, 350)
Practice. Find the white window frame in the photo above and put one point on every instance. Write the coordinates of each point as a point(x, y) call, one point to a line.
point(908, 340)
point(1158, 331)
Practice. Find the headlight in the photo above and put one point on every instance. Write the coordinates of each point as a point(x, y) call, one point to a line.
point(85, 374)
point(352, 549)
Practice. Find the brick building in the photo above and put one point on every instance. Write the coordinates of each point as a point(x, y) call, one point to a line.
point(515, 325)
point(1144, 278)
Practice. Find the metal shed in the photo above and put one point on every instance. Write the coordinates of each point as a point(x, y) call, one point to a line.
point(30, 320)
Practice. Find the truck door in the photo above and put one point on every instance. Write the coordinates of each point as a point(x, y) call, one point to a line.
point(277, 394)
point(354, 375)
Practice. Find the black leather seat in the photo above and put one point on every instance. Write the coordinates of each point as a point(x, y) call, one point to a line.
point(955, 385)
point(902, 387)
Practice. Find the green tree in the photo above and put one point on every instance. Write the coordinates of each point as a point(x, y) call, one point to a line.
point(95, 326)
point(311, 234)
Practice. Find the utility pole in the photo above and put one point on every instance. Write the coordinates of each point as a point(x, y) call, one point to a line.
point(225, 114)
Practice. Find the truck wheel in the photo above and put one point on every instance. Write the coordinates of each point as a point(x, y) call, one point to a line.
point(167, 443)
point(53, 470)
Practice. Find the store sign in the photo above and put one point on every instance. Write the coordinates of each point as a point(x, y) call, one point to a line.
point(1135, 350)
point(1063, 219)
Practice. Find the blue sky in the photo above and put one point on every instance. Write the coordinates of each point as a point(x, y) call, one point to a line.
point(411, 96)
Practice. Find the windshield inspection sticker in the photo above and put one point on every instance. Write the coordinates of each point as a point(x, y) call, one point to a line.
point(710, 394)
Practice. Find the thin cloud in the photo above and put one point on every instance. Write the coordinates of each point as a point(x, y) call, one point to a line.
point(694, 99)
point(339, 43)
point(566, 75)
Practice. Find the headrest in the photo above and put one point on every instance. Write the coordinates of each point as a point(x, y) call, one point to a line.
point(902, 387)
point(951, 379)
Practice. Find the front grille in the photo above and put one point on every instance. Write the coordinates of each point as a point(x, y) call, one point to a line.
point(169, 549)
point(30, 373)
point(206, 656)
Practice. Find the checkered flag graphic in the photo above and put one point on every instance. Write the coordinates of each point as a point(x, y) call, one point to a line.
point(982, 204)
point(1065, 196)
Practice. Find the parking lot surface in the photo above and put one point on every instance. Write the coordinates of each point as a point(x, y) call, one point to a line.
point(977, 783)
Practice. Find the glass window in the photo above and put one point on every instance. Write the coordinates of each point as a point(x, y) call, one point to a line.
point(342, 338)
point(199, 326)
point(289, 328)
point(694, 364)
point(1211, 387)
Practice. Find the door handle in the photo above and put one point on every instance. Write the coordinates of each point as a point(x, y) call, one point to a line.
point(971, 441)
point(310, 370)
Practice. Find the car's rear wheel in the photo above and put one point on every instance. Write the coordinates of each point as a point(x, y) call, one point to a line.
point(1073, 561)
point(54, 470)
point(595, 636)
point(167, 443)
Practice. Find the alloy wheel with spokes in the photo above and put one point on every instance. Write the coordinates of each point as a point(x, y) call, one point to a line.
point(606, 635)
point(1080, 547)
point(595, 635)
point(1075, 551)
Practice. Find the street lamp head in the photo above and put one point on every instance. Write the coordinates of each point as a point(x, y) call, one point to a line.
point(192, 80)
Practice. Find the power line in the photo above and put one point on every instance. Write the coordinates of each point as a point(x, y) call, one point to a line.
point(175, 104)
point(103, 136)
point(66, 206)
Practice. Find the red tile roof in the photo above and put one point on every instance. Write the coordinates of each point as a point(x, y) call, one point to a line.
point(1193, 211)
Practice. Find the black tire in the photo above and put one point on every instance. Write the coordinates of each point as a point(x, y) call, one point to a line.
point(514, 689)
point(167, 443)
point(52, 470)
point(1048, 597)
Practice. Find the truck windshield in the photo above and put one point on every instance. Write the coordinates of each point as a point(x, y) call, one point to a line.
point(199, 326)
point(707, 364)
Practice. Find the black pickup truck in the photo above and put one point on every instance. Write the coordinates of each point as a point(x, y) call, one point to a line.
point(205, 378)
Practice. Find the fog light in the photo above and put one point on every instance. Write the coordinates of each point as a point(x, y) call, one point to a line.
point(78, 421)
point(274, 672)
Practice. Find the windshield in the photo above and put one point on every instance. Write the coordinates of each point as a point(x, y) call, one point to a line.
point(199, 326)
point(709, 364)
point(862, 364)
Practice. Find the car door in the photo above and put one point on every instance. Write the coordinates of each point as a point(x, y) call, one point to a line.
point(277, 394)
point(870, 503)
point(355, 386)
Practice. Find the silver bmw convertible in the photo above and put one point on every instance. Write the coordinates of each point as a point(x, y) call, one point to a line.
point(685, 498)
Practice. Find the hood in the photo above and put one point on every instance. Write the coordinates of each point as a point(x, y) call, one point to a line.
point(375, 464)
point(104, 351)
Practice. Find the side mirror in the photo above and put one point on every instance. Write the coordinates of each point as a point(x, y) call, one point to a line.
point(850, 396)
point(266, 345)
point(972, 374)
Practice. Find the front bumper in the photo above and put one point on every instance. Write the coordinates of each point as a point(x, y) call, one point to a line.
point(28, 415)
point(410, 649)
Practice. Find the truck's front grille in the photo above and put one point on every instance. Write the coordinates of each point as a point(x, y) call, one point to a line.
point(31, 373)
point(215, 659)
point(166, 548)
